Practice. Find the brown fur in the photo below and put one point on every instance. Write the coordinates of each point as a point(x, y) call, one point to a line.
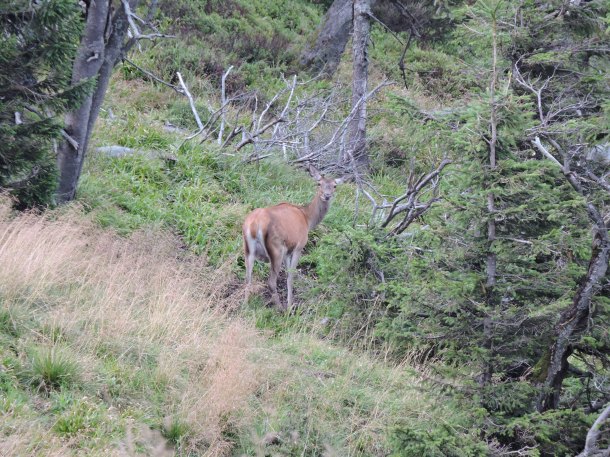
point(278, 234)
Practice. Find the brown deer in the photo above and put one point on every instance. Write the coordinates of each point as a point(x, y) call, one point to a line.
point(278, 234)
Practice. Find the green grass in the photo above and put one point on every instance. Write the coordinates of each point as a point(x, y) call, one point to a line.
point(52, 368)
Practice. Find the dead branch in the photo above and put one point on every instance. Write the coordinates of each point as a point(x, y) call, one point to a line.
point(223, 100)
point(591, 446)
point(253, 136)
point(63, 133)
point(153, 76)
point(24, 182)
point(344, 124)
point(413, 208)
point(401, 62)
point(134, 31)
point(191, 101)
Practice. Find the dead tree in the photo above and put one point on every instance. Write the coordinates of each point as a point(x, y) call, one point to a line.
point(332, 37)
point(325, 53)
point(360, 75)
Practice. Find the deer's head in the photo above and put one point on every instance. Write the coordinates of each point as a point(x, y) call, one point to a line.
point(326, 186)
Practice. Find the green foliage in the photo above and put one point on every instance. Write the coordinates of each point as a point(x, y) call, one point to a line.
point(81, 417)
point(39, 43)
point(435, 442)
point(8, 324)
point(424, 292)
point(555, 433)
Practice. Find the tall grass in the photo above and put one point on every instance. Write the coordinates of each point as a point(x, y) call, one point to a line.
point(139, 300)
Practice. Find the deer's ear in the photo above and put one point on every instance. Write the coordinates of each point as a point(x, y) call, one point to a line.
point(341, 180)
point(315, 174)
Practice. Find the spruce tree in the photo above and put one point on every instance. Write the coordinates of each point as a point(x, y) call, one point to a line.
point(37, 46)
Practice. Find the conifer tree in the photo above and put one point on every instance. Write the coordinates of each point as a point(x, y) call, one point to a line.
point(39, 40)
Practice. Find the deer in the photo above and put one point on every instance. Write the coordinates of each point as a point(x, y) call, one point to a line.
point(277, 234)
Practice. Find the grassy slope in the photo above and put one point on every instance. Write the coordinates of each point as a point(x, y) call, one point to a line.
point(155, 343)
point(108, 340)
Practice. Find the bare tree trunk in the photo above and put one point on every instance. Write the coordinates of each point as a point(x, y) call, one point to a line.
point(333, 33)
point(573, 321)
point(98, 53)
point(360, 39)
point(332, 37)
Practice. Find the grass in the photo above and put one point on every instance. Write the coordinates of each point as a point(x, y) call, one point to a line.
point(52, 368)
point(143, 346)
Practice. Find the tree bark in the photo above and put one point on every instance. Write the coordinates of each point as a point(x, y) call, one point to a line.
point(332, 37)
point(360, 39)
point(97, 56)
point(591, 448)
point(333, 33)
point(575, 319)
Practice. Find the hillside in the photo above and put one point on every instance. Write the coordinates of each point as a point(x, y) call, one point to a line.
point(131, 346)
point(124, 324)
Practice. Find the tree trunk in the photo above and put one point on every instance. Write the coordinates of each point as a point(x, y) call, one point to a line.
point(360, 39)
point(491, 267)
point(333, 33)
point(96, 57)
point(575, 319)
point(332, 37)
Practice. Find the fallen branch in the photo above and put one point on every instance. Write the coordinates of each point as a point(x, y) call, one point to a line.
point(133, 27)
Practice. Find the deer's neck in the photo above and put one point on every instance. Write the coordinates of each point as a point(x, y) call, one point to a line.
point(316, 211)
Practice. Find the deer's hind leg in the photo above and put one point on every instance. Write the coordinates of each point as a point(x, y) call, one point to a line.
point(276, 257)
point(291, 264)
point(249, 257)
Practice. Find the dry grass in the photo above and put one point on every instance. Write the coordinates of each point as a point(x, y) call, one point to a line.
point(137, 298)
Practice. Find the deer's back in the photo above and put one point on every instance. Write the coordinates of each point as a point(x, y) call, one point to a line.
point(284, 223)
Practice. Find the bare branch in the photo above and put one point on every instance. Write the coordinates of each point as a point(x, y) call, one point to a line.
point(591, 448)
point(69, 139)
point(25, 181)
point(538, 144)
point(252, 137)
point(191, 101)
point(152, 76)
point(133, 27)
point(413, 209)
point(223, 100)
point(344, 124)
